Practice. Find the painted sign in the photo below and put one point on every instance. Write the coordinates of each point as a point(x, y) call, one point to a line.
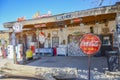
point(90, 44)
point(40, 25)
point(63, 17)
point(76, 20)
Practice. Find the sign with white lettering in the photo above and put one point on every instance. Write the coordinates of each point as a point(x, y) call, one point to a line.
point(90, 44)
point(63, 17)
point(40, 25)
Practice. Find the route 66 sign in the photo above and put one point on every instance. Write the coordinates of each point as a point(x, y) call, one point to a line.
point(17, 27)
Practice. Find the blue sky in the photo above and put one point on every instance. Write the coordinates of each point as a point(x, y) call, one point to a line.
point(10, 10)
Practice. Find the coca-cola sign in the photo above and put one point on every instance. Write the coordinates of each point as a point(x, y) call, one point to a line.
point(90, 44)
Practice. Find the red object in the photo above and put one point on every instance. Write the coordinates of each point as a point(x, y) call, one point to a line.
point(42, 34)
point(40, 25)
point(21, 19)
point(90, 44)
point(76, 20)
point(54, 51)
point(33, 49)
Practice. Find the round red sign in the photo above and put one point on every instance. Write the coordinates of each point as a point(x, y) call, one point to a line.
point(90, 44)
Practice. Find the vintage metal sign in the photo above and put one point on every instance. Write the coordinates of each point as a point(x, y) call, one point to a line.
point(90, 44)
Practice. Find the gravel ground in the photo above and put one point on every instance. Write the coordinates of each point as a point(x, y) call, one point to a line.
point(98, 66)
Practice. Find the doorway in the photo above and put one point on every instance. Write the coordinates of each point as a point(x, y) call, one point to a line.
point(55, 41)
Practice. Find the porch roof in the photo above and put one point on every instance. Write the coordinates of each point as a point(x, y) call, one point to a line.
point(106, 10)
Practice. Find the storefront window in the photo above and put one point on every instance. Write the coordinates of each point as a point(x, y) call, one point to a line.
point(55, 41)
point(91, 30)
point(106, 41)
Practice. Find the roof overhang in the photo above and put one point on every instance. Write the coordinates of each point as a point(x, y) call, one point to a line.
point(67, 16)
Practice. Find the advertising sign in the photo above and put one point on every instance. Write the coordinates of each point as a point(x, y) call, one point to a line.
point(90, 44)
point(40, 25)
